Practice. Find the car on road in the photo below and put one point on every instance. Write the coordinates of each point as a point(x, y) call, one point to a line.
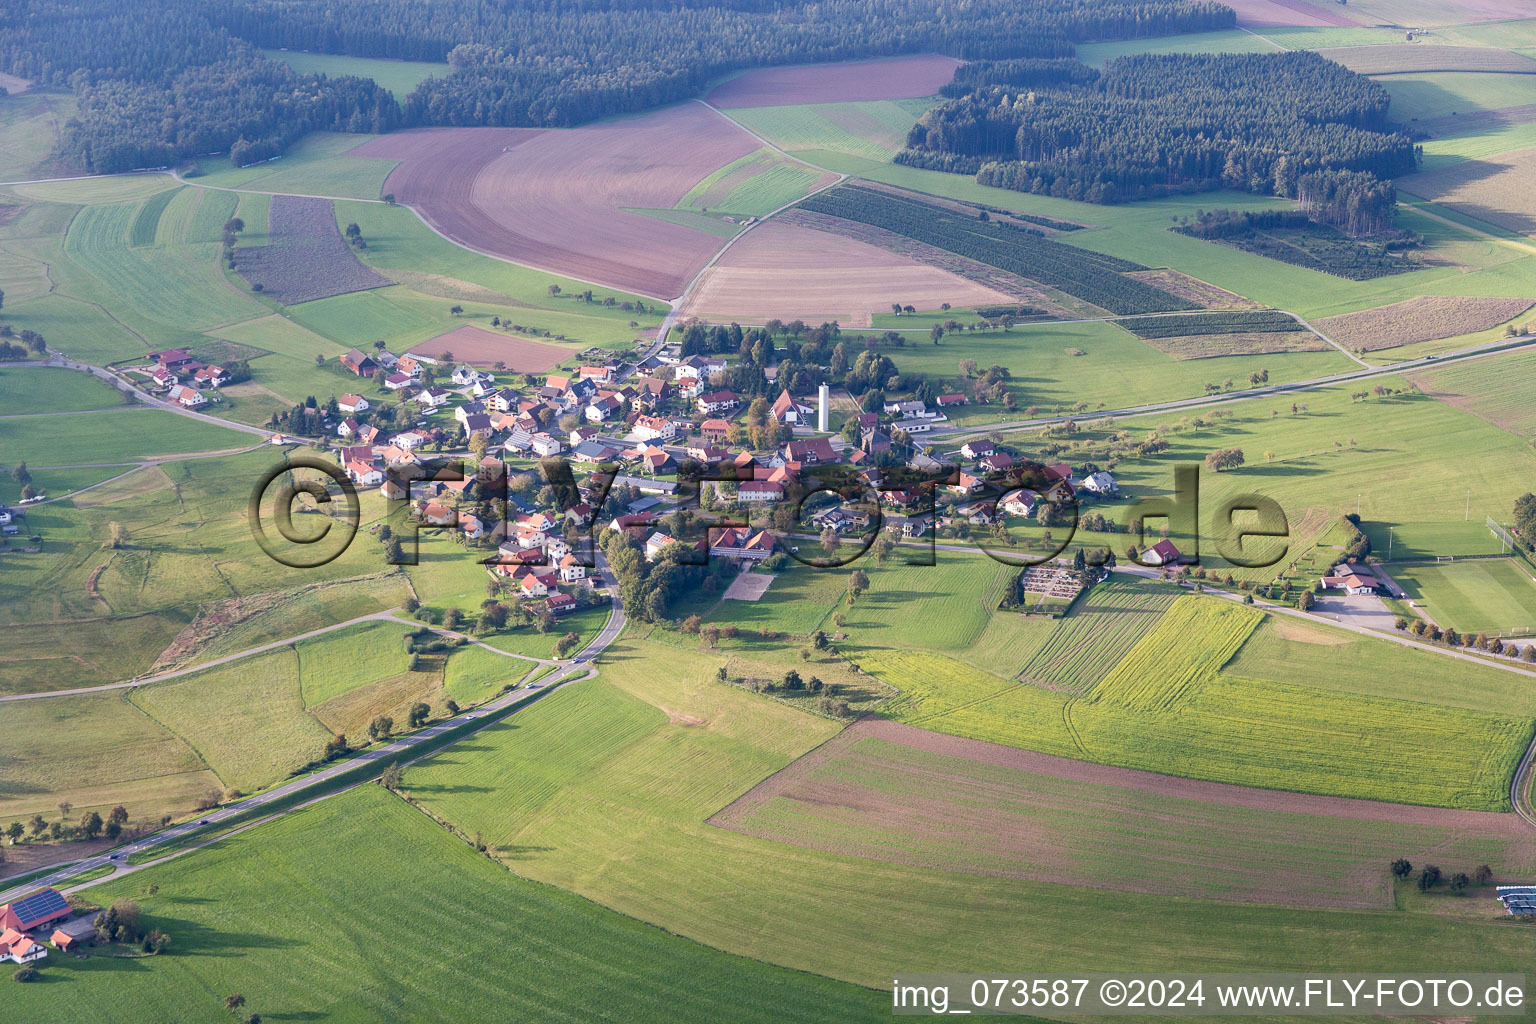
point(203, 822)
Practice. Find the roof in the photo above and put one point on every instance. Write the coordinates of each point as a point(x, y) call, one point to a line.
point(30, 911)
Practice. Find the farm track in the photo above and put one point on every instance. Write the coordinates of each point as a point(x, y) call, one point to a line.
point(403, 752)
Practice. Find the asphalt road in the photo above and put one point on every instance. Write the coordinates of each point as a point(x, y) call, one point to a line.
point(400, 750)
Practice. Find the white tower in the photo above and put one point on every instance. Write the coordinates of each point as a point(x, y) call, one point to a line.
point(821, 408)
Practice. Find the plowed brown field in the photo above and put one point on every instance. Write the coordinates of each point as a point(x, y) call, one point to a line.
point(556, 199)
point(889, 78)
point(480, 347)
point(1275, 13)
point(789, 272)
point(894, 793)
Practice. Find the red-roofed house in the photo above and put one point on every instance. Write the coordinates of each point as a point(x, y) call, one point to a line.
point(1346, 579)
point(352, 403)
point(559, 604)
point(34, 910)
point(1161, 553)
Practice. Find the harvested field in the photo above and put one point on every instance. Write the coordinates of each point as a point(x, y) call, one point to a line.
point(1245, 343)
point(1498, 389)
point(479, 347)
point(1399, 58)
point(1032, 293)
point(1496, 189)
point(888, 78)
point(558, 199)
point(307, 258)
point(1202, 293)
point(787, 271)
point(1427, 318)
point(893, 793)
point(1276, 13)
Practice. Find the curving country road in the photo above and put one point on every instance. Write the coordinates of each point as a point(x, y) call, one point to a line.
point(402, 751)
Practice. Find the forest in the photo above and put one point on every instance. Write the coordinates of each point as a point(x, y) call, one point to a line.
point(1149, 125)
point(1091, 276)
point(158, 83)
point(164, 80)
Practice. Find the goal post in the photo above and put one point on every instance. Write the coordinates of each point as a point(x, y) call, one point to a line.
point(1502, 534)
point(1445, 558)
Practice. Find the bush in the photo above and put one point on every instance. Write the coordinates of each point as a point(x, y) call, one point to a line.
point(28, 973)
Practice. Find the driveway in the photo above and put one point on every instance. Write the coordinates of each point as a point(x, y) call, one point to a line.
point(1356, 610)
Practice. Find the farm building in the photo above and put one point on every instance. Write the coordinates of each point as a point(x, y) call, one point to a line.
point(71, 934)
point(32, 912)
point(358, 362)
point(19, 949)
point(1161, 553)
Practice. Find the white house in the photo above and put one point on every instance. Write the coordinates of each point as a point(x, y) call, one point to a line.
point(571, 569)
point(433, 397)
point(654, 428)
point(352, 403)
point(186, 396)
point(1100, 483)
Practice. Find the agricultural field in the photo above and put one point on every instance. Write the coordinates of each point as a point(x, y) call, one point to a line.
point(176, 280)
point(1473, 595)
point(753, 186)
point(246, 720)
point(481, 347)
point(788, 271)
point(1404, 58)
point(475, 674)
point(400, 77)
point(890, 78)
point(111, 753)
point(1297, 652)
point(874, 130)
point(118, 435)
point(627, 827)
point(1489, 189)
point(892, 793)
point(1435, 95)
point(1428, 318)
point(1495, 389)
point(557, 199)
point(305, 257)
point(334, 663)
point(29, 389)
point(30, 128)
point(269, 935)
point(1207, 725)
point(320, 164)
point(1083, 646)
point(1099, 279)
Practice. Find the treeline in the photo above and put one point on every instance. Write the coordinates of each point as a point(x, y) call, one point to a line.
point(1288, 124)
point(158, 83)
point(1292, 236)
point(557, 63)
point(1091, 276)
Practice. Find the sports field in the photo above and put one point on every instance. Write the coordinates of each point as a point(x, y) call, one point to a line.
point(1422, 542)
point(275, 933)
point(1473, 595)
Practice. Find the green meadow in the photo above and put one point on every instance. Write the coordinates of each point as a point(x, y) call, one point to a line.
point(605, 788)
point(317, 164)
point(29, 389)
point(112, 435)
point(264, 913)
point(398, 76)
point(30, 124)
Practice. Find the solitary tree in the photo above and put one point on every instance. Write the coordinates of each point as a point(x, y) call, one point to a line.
point(391, 777)
point(418, 714)
point(381, 727)
point(90, 825)
point(20, 474)
point(234, 1002)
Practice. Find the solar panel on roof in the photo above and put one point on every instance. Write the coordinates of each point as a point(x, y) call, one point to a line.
point(39, 905)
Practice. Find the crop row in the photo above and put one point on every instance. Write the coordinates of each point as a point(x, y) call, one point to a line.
point(1087, 643)
point(1091, 276)
point(1194, 639)
point(1259, 321)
